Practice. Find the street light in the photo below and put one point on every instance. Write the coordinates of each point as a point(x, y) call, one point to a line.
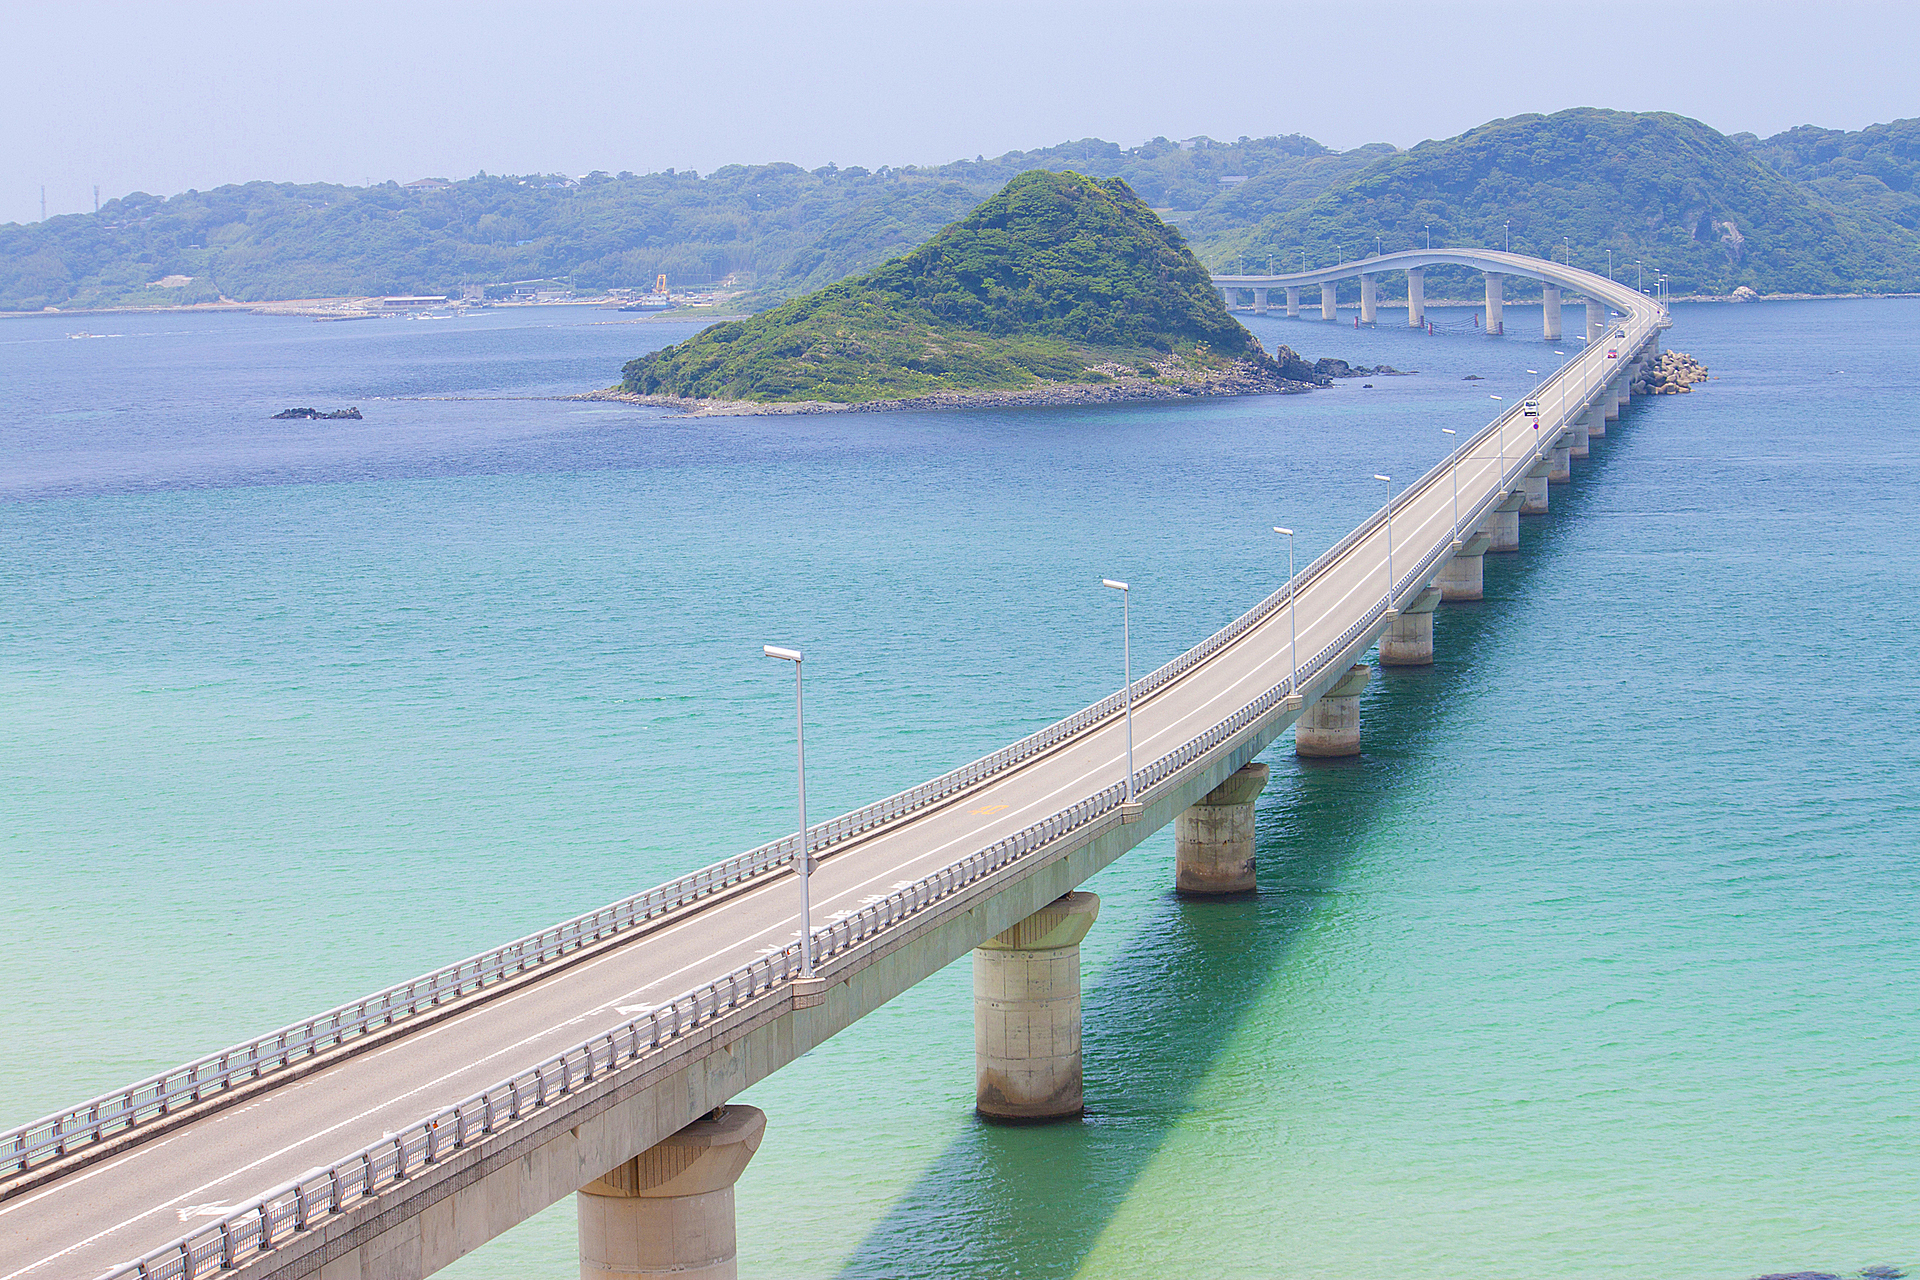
point(806, 852)
point(1429, 231)
point(1303, 259)
point(1456, 481)
point(1609, 264)
point(1126, 650)
point(1389, 484)
point(1509, 225)
point(1293, 627)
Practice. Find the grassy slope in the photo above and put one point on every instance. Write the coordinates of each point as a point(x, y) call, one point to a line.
point(1656, 187)
point(1045, 280)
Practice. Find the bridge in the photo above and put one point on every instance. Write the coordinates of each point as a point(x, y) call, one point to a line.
point(1495, 265)
point(382, 1139)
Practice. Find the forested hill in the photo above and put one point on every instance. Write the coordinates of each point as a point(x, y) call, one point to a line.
point(1667, 191)
point(1809, 210)
point(1056, 279)
point(781, 229)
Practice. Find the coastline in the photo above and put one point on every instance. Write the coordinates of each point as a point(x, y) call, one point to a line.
point(1238, 381)
point(349, 308)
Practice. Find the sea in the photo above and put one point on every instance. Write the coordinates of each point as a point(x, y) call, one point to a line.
point(1602, 960)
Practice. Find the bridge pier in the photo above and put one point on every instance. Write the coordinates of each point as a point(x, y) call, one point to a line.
point(1213, 840)
point(1550, 312)
point(1535, 490)
point(1331, 727)
point(669, 1210)
point(1596, 319)
point(1496, 293)
point(1259, 302)
point(1502, 524)
point(1329, 309)
point(1463, 576)
point(1417, 297)
point(1408, 639)
point(1595, 421)
point(1369, 300)
point(1230, 296)
point(1560, 464)
point(1026, 1014)
point(1293, 301)
point(1577, 445)
point(1611, 402)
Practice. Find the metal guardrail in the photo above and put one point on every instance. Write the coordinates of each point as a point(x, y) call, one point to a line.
point(263, 1224)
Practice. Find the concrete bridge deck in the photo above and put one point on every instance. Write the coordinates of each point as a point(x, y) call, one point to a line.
point(391, 1154)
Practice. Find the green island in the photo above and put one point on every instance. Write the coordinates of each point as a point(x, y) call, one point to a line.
point(1057, 288)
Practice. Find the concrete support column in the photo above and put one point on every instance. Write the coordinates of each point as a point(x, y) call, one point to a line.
point(1026, 1013)
point(1213, 840)
point(1259, 302)
point(669, 1210)
point(1369, 300)
point(1331, 727)
point(1611, 402)
point(1560, 464)
point(1596, 319)
point(1577, 446)
point(1293, 300)
point(1417, 297)
point(1502, 524)
point(1595, 420)
point(1463, 576)
point(1496, 293)
point(1329, 310)
point(1550, 312)
point(1230, 295)
point(1535, 490)
point(1408, 639)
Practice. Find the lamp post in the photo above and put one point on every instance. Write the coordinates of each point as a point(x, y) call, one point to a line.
point(1126, 651)
point(1509, 225)
point(1293, 619)
point(1455, 469)
point(806, 851)
point(1303, 259)
point(1389, 483)
point(1429, 231)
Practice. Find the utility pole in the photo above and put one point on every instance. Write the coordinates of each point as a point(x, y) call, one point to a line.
point(96, 197)
point(43, 203)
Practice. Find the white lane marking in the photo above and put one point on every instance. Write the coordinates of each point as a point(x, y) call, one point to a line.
point(193, 1211)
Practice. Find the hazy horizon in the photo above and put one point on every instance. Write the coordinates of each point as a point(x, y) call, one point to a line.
point(200, 95)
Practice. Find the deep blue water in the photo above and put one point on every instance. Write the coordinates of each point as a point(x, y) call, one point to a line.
point(1601, 961)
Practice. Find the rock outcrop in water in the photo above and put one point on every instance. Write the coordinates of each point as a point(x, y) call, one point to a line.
point(351, 412)
point(1328, 367)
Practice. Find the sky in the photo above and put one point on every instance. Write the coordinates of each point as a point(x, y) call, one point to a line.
point(162, 97)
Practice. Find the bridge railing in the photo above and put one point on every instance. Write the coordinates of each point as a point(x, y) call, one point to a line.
point(271, 1220)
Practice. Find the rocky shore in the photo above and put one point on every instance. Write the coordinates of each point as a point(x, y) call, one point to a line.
point(1674, 373)
point(1241, 378)
point(323, 415)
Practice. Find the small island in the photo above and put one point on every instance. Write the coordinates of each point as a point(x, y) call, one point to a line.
point(1056, 290)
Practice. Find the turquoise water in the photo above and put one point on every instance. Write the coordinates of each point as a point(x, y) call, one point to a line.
point(1600, 962)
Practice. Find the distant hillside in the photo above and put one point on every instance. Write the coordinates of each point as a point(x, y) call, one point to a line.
point(1873, 174)
point(1659, 188)
point(1045, 282)
point(780, 229)
point(1811, 210)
